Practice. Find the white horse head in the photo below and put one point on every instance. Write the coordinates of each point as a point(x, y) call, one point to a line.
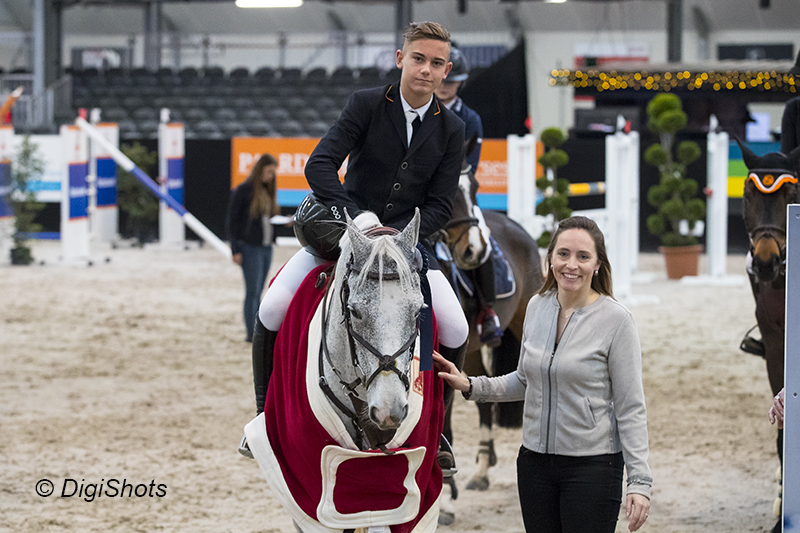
point(373, 326)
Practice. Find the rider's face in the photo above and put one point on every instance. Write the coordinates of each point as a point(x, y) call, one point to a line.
point(424, 65)
point(447, 90)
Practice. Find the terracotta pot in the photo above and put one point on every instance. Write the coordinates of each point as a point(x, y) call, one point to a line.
point(681, 260)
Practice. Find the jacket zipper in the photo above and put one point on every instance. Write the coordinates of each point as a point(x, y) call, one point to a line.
point(550, 400)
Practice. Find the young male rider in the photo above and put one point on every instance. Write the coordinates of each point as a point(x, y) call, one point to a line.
point(483, 276)
point(395, 166)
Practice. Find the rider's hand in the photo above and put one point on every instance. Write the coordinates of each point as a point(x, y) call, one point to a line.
point(776, 411)
point(449, 373)
point(366, 221)
point(237, 258)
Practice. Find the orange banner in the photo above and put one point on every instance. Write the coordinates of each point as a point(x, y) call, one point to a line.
point(292, 154)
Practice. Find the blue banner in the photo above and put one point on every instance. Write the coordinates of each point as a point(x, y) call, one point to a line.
point(5, 190)
point(106, 182)
point(175, 179)
point(78, 191)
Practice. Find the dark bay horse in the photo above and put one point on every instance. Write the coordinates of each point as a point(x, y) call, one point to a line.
point(466, 245)
point(771, 185)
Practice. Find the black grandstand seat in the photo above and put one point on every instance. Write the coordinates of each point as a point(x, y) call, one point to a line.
point(290, 75)
point(145, 113)
point(214, 75)
point(127, 130)
point(264, 75)
point(251, 115)
point(115, 114)
point(290, 128)
point(133, 102)
point(318, 74)
point(213, 102)
point(259, 128)
point(239, 75)
point(242, 103)
point(148, 128)
point(370, 77)
point(330, 114)
point(207, 129)
point(194, 114)
point(316, 128)
point(343, 76)
point(324, 102)
point(233, 129)
point(306, 114)
point(188, 76)
point(224, 114)
point(295, 103)
point(276, 114)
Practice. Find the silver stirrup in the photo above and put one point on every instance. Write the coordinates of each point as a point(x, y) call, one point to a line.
point(244, 449)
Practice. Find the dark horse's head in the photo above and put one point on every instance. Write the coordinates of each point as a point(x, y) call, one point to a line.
point(771, 185)
point(462, 233)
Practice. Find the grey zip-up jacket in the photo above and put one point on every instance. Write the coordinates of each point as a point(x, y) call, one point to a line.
point(585, 396)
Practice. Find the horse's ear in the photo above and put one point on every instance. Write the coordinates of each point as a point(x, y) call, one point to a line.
point(794, 159)
point(410, 235)
point(358, 241)
point(750, 157)
point(471, 144)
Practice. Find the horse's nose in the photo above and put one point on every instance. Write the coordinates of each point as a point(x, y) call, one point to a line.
point(388, 418)
point(766, 270)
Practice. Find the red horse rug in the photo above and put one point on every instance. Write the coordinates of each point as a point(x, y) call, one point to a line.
point(310, 461)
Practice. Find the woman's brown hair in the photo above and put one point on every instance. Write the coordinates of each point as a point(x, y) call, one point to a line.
point(265, 201)
point(601, 283)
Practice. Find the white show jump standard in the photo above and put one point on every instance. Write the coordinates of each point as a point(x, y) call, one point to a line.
point(190, 220)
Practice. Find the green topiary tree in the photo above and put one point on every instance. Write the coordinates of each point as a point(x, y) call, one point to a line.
point(554, 190)
point(137, 204)
point(27, 166)
point(675, 195)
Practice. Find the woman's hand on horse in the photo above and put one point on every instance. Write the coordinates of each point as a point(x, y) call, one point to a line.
point(637, 509)
point(449, 373)
point(237, 258)
point(776, 411)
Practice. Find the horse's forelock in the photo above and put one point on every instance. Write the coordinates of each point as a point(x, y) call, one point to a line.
point(384, 247)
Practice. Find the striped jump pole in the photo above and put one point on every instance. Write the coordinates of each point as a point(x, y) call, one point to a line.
point(122, 160)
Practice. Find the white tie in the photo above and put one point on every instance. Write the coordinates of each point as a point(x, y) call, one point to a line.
point(410, 116)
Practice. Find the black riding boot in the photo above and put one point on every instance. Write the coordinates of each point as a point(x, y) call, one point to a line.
point(488, 322)
point(263, 353)
point(446, 458)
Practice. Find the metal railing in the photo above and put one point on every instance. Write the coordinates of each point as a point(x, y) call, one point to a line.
point(39, 112)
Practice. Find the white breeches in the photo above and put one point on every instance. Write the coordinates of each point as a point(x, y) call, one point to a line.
point(453, 327)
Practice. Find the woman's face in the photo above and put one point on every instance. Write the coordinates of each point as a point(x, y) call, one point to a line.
point(574, 260)
point(269, 173)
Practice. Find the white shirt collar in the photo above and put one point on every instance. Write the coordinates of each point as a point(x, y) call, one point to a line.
point(420, 110)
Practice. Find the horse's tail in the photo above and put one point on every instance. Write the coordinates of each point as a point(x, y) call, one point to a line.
point(506, 359)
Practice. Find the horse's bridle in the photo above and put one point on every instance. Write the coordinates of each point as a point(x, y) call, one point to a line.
point(385, 362)
point(470, 222)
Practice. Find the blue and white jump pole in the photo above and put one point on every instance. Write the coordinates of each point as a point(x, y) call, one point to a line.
point(6, 213)
point(186, 217)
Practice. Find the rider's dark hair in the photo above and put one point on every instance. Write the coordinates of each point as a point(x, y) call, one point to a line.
point(601, 283)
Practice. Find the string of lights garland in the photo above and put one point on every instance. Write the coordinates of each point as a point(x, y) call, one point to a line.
point(669, 80)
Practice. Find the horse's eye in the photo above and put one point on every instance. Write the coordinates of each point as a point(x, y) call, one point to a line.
point(355, 313)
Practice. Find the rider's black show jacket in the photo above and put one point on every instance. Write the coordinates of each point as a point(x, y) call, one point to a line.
point(384, 175)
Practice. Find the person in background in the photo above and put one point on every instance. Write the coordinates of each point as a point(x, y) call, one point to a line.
point(790, 123)
point(252, 205)
point(483, 276)
point(580, 376)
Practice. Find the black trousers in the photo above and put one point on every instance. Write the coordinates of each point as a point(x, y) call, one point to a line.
point(562, 494)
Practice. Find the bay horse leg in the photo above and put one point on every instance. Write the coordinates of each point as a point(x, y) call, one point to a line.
point(486, 456)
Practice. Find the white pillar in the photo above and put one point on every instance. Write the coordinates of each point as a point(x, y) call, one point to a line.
point(6, 212)
point(74, 196)
point(791, 432)
point(105, 215)
point(170, 171)
point(521, 183)
point(717, 211)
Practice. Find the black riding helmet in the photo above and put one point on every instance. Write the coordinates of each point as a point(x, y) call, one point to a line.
point(317, 229)
point(460, 70)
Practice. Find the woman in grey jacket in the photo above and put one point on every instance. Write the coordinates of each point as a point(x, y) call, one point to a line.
point(580, 375)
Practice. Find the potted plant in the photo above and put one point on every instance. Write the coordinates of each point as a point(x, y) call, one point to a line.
point(138, 205)
point(554, 190)
point(678, 221)
point(26, 167)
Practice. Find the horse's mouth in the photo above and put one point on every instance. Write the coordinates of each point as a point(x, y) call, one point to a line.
point(466, 264)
